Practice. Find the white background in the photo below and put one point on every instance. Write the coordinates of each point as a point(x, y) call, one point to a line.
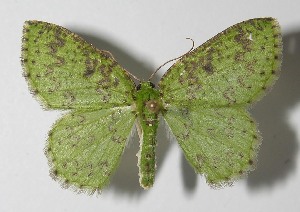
point(142, 35)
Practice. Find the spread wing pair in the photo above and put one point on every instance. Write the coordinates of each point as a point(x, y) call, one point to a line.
point(204, 95)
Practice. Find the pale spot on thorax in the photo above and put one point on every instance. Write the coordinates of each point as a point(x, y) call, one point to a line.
point(152, 106)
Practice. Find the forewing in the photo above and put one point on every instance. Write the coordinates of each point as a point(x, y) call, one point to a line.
point(84, 148)
point(66, 72)
point(220, 143)
point(234, 67)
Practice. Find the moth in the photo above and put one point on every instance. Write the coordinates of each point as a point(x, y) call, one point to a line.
point(204, 99)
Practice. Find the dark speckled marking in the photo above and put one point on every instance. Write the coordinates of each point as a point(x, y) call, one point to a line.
point(239, 56)
point(207, 62)
point(250, 162)
point(243, 39)
point(90, 67)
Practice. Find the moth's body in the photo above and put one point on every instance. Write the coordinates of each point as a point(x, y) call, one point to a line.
point(147, 107)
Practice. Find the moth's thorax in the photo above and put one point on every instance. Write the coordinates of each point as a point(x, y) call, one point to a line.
point(147, 99)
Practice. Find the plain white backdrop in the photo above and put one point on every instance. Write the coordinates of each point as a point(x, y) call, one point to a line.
point(142, 35)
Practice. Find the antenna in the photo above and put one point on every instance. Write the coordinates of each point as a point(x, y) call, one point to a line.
point(173, 59)
point(110, 55)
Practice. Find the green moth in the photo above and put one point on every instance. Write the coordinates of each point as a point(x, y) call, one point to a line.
point(203, 98)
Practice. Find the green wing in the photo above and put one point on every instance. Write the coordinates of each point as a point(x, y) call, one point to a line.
point(84, 147)
point(234, 67)
point(65, 72)
point(220, 143)
point(205, 95)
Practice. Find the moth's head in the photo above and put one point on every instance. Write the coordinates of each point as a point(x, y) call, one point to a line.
point(145, 85)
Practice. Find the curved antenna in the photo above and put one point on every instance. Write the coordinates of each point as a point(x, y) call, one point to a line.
point(134, 77)
point(173, 59)
point(110, 55)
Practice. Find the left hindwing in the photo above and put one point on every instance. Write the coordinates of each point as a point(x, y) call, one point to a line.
point(84, 147)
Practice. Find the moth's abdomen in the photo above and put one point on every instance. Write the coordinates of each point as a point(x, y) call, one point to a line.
point(147, 164)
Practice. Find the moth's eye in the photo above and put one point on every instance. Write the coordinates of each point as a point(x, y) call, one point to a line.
point(152, 85)
point(138, 87)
